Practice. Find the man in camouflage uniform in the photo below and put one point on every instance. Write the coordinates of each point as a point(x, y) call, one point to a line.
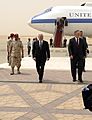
point(8, 47)
point(16, 53)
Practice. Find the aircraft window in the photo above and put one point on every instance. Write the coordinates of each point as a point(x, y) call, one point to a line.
point(48, 10)
point(83, 4)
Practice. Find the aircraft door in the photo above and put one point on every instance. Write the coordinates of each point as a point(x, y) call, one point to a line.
point(65, 21)
point(59, 31)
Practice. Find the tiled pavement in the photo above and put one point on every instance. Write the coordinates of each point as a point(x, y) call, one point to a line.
point(57, 98)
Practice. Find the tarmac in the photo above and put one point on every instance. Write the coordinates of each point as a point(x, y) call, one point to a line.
point(22, 97)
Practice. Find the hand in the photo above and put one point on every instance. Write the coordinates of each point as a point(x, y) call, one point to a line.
point(48, 59)
point(34, 58)
point(71, 57)
point(87, 51)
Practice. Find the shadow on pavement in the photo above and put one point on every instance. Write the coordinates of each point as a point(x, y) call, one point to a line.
point(46, 82)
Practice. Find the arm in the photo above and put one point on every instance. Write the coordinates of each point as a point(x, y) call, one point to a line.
point(84, 49)
point(10, 50)
point(22, 52)
point(69, 49)
point(87, 50)
point(33, 51)
point(85, 41)
point(8, 46)
point(48, 51)
point(22, 49)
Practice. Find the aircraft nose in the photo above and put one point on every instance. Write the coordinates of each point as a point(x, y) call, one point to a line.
point(30, 22)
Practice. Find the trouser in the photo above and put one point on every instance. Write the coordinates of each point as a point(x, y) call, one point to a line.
point(50, 44)
point(84, 64)
point(76, 61)
point(40, 68)
point(15, 61)
point(8, 58)
point(29, 49)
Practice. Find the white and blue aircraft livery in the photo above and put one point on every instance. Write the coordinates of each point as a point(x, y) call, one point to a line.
point(78, 17)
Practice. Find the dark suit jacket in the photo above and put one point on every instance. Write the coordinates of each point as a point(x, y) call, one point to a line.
point(84, 38)
point(41, 53)
point(77, 49)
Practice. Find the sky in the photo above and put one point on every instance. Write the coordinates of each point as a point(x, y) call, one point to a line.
point(16, 13)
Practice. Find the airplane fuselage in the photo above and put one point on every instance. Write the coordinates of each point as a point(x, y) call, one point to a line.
point(79, 18)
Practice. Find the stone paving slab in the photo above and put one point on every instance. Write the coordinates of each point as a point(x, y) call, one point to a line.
point(57, 98)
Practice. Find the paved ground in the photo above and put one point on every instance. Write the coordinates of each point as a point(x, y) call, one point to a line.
point(57, 98)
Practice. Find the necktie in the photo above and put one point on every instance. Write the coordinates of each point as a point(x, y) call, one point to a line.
point(40, 45)
point(77, 41)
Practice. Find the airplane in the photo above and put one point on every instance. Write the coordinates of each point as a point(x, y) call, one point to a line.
point(78, 18)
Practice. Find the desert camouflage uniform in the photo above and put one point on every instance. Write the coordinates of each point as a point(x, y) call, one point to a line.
point(16, 53)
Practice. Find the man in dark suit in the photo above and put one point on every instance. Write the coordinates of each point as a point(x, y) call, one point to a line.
point(77, 52)
point(87, 51)
point(40, 53)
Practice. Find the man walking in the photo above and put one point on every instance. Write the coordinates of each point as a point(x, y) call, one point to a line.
point(51, 42)
point(16, 53)
point(77, 52)
point(40, 53)
point(11, 37)
point(84, 39)
point(29, 46)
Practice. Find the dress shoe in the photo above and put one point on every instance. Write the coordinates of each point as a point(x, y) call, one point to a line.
point(74, 80)
point(11, 73)
point(80, 80)
point(84, 70)
point(40, 81)
point(18, 72)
